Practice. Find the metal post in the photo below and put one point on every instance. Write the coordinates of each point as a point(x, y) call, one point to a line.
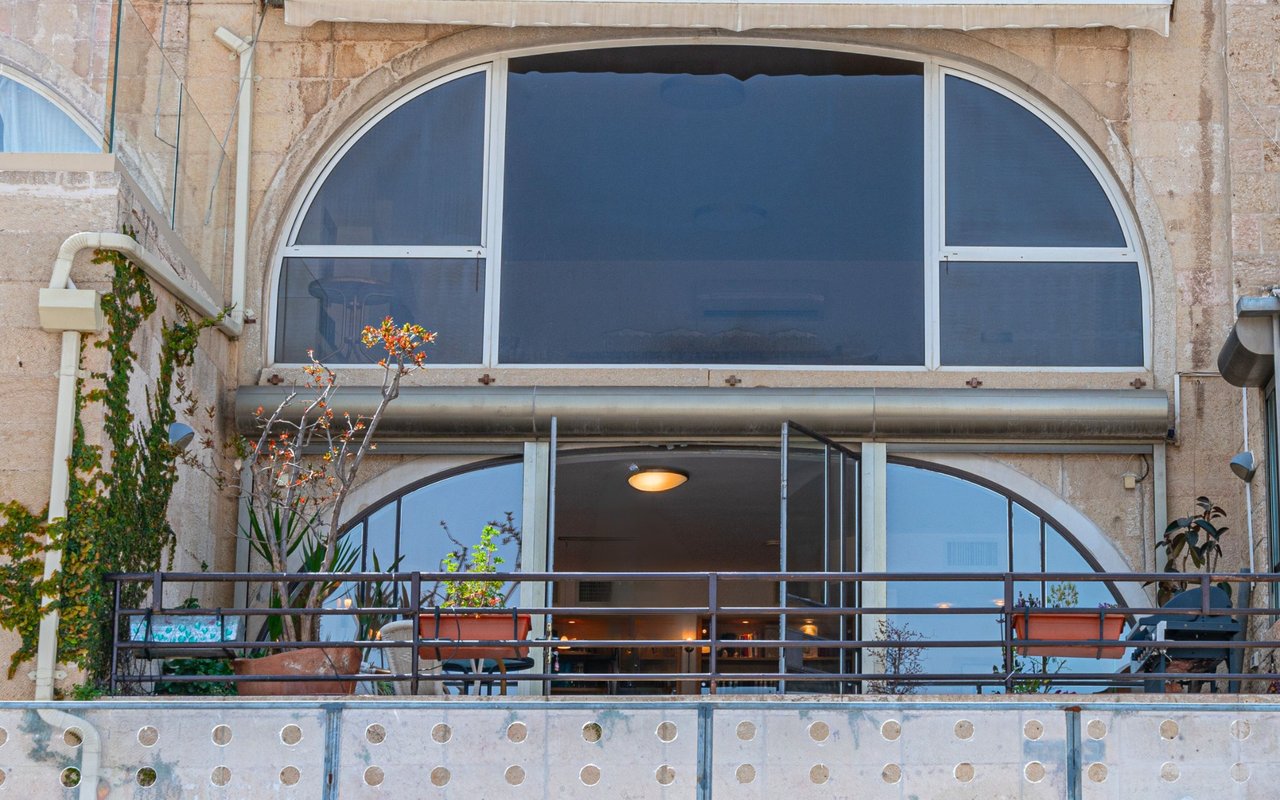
point(713, 627)
point(415, 598)
point(115, 633)
point(1008, 632)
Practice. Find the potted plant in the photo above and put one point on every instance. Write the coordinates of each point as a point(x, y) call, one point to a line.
point(1032, 624)
point(1197, 539)
point(467, 611)
point(303, 465)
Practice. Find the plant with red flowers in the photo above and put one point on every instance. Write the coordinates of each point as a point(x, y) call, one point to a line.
point(304, 463)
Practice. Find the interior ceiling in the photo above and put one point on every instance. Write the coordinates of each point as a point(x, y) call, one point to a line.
point(722, 518)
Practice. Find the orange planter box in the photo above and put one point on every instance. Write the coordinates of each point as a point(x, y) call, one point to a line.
point(463, 626)
point(1029, 624)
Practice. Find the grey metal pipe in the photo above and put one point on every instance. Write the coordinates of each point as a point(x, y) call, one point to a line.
point(866, 413)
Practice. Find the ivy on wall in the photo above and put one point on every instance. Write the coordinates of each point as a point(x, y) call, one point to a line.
point(118, 495)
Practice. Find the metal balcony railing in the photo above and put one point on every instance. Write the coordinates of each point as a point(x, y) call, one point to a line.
point(758, 632)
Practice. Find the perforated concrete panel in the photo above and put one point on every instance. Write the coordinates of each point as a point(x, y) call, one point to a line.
point(532, 750)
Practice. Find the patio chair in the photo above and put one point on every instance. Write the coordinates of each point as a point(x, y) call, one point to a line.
point(1206, 628)
point(400, 659)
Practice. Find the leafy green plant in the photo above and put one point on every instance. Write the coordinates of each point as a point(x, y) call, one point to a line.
point(1196, 538)
point(187, 667)
point(480, 557)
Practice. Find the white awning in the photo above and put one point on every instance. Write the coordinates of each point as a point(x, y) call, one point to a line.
point(740, 15)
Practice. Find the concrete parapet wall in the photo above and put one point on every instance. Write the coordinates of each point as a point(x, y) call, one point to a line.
point(1158, 746)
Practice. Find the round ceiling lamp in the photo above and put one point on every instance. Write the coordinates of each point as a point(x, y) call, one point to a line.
point(656, 479)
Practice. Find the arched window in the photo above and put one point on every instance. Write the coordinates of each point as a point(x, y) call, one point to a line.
point(31, 123)
point(717, 205)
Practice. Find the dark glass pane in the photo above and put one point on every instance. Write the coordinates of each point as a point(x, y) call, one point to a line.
point(1041, 314)
point(713, 205)
point(324, 303)
point(415, 178)
point(1013, 181)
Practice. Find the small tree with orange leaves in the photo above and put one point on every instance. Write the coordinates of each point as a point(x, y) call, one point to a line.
point(304, 463)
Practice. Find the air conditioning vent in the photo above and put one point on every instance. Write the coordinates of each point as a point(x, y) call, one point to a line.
point(972, 553)
point(595, 592)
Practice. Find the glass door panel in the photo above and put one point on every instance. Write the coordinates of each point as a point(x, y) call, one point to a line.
point(818, 534)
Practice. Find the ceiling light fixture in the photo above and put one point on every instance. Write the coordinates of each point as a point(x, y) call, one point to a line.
point(655, 479)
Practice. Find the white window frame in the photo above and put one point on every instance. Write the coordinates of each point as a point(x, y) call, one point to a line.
point(935, 249)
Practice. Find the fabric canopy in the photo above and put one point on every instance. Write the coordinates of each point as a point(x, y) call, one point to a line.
point(741, 15)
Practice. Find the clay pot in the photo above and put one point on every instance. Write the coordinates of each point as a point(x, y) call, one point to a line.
point(311, 661)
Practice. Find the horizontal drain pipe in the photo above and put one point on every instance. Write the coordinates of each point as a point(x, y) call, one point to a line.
point(867, 413)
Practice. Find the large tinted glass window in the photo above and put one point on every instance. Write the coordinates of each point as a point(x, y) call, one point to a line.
point(1013, 181)
point(414, 178)
point(713, 205)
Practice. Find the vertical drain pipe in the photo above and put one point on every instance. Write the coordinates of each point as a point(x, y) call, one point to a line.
point(244, 147)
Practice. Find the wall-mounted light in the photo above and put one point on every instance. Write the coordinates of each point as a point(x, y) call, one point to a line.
point(1244, 466)
point(655, 479)
point(180, 435)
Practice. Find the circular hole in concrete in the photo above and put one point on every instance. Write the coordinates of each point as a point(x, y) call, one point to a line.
point(290, 775)
point(746, 730)
point(69, 777)
point(1097, 729)
point(1097, 772)
point(1168, 729)
point(1033, 730)
point(148, 736)
point(441, 733)
point(440, 776)
point(514, 775)
point(373, 776)
point(1239, 772)
point(1241, 729)
point(964, 729)
point(590, 775)
point(517, 732)
point(291, 734)
point(892, 773)
point(819, 774)
point(221, 735)
point(891, 730)
point(819, 731)
point(220, 776)
point(667, 731)
point(375, 734)
point(745, 773)
point(73, 737)
point(964, 772)
point(665, 775)
point(146, 776)
point(1169, 772)
point(1034, 771)
point(592, 732)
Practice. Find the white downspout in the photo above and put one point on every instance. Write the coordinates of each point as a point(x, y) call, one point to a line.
point(244, 147)
point(53, 310)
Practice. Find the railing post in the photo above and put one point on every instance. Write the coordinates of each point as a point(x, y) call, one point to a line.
point(1008, 632)
point(415, 603)
point(115, 633)
point(713, 628)
point(157, 591)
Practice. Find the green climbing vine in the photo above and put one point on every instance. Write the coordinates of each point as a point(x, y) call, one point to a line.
point(118, 494)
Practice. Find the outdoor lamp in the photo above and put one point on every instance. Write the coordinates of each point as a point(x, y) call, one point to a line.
point(655, 479)
point(180, 435)
point(1243, 465)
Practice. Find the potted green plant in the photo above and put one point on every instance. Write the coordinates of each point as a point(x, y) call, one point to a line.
point(466, 612)
point(303, 465)
point(1198, 539)
point(1032, 622)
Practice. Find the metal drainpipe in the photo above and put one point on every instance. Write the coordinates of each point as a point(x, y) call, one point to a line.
point(244, 141)
point(64, 419)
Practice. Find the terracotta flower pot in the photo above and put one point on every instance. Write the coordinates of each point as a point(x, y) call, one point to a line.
point(312, 661)
point(463, 626)
point(1029, 624)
